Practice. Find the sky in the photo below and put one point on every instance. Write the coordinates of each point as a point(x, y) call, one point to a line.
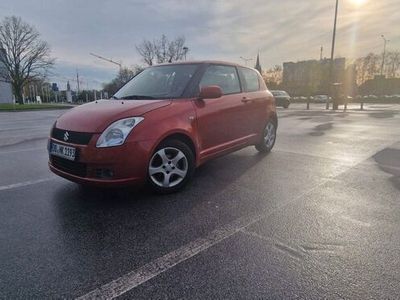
point(280, 30)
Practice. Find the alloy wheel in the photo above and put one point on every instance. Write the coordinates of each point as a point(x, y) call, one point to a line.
point(168, 167)
point(269, 135)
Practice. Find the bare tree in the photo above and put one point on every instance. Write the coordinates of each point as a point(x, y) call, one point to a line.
point(175, 50)
point(162, 50)
point(393, 63)
point(360, 70)
point(146, 51)
point(372, 62)
point(367, 67)
point(25, 56)
point(273, 76)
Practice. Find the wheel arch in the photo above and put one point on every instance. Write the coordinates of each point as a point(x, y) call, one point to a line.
point(180, 136)
point(273, 116)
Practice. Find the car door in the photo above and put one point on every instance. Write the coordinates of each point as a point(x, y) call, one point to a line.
point(219, 120)
point(255, 99)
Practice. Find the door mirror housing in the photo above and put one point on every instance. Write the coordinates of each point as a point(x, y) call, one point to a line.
point(210, 92)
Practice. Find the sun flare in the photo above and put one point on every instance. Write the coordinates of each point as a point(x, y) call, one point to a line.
point(358, 2)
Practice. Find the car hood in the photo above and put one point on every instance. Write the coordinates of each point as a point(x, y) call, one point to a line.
point(96, 116)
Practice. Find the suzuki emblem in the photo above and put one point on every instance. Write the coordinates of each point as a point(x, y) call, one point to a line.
point(66, 136)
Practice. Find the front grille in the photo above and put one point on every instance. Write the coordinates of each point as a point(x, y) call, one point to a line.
point(80, 138)
point(68, 166)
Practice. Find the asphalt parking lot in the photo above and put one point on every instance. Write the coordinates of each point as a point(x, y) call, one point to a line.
point(319, 217)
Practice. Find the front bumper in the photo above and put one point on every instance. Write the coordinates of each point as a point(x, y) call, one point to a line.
point(105, 167)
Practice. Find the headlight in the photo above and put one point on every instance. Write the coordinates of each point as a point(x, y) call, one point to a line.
point(117, 132)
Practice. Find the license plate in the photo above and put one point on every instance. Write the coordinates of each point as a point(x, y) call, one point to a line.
point(62, 151)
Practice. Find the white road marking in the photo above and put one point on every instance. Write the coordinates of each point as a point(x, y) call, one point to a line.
point(162, 264)
point(25, 183)
point(135, 278)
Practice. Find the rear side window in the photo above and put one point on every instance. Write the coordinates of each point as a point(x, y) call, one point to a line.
point(250, 78)
point(225, 77)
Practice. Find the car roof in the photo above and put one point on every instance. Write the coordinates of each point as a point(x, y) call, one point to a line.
point(219, 62)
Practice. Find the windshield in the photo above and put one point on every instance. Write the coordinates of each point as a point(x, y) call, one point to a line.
point(161, 82)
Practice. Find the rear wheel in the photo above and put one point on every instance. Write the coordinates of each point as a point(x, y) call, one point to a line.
point(268, 138)
point(171, 167)
point(286, 105)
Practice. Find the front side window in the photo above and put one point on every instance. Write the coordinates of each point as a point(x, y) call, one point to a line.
point(224, 76)
point(161, 82)
point(250, 78)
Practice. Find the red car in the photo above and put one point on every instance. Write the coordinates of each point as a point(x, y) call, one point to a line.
point(161, 125)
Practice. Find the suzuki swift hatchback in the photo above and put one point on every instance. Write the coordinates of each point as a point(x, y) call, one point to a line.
point(161, 125)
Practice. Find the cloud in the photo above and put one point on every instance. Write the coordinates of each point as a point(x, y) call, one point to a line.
point(282, 30)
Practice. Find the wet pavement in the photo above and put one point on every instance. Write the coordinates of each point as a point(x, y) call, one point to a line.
point(319, 217)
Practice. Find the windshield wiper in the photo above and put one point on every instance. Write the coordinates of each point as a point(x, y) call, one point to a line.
point(137, 97)
point(116, 98)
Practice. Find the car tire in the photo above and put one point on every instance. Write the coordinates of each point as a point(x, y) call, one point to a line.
point(268, 138)
point(286, 105)
point(170, 167)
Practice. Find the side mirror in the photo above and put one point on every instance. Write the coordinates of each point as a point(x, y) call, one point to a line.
point(210, 92)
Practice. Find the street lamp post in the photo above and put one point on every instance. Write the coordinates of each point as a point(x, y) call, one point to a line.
point(107, 59)
point(384, 53)
point(332, 55)
point(185, 51)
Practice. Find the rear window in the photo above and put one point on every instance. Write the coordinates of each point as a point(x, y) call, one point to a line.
point(250, 77)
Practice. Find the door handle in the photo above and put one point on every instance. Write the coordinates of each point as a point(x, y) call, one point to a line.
point(246, 100)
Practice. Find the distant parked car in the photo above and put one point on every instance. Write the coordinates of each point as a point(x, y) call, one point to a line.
point(282, 98)
point(321, 98)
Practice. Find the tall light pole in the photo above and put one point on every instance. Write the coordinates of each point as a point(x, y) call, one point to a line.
point(384, 53)
point(332, 56)
point(185, 51)
point(246, 60)
point(107, 59)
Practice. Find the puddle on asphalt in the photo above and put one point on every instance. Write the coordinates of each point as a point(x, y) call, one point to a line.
point(388, 160)
point(320, 129)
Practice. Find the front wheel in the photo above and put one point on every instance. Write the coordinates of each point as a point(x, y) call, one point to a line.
point(171, 167)
point(268, 138)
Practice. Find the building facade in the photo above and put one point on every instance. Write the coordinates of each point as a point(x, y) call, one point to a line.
point(312, 77)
